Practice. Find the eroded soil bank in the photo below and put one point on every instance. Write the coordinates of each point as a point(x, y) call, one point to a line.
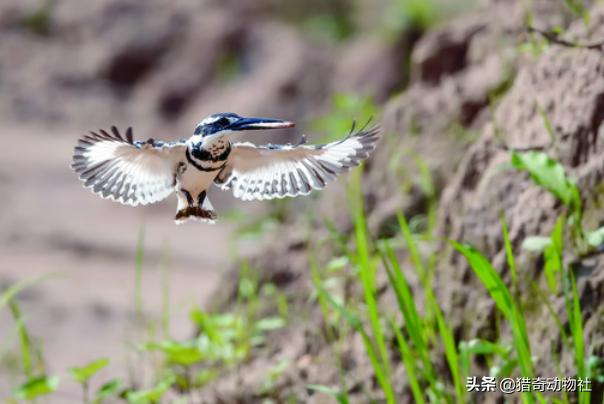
point(481, 86)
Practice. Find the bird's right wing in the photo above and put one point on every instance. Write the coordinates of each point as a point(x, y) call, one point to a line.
point(267, 172)
point(126, 171)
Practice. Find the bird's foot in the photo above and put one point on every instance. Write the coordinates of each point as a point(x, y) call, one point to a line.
point(206, 214)
point(196, 213)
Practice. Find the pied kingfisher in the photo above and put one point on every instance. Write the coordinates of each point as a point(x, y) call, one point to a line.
point(143, 172)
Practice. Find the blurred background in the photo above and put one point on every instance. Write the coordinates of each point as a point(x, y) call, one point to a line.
point(436, 74)
point(68, 66)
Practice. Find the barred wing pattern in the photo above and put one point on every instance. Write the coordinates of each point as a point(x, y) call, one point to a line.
point(267, 172)
point(129, 172)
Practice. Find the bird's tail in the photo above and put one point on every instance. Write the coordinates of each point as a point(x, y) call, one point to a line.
point(186, 211)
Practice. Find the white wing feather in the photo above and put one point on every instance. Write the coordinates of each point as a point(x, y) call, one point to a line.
point(128, 172)
point(267, 172)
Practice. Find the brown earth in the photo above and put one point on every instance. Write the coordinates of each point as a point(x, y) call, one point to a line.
point(469, 74)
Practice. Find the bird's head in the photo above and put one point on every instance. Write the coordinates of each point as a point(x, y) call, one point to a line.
point(218, 124)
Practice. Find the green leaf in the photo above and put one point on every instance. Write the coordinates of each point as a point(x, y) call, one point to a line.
point(552, 255)
point(536, 243)
point(205, 376)
point(577, 8)
point(83, 374)
point(505, 303)
point(505, 369)
point(269, 324)
point(24, 339)
point(337, 263)
point(509, 252)
point(549, 174)
point(411, 366)
point(596, 237)
point(341, 397)
point(482, 347)
point(108, 389)
point(181, 353)
point(489, 277)
point(37, 386)
point(18, 287)
point(152, 395)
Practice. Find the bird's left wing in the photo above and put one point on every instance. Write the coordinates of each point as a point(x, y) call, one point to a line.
point(267, 172)
point(129, 172)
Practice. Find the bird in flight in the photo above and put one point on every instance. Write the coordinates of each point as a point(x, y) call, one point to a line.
point(132, 172)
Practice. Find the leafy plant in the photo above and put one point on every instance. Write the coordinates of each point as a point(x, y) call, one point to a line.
point(356, 323)
point(403, 15)
point(274, 374)
point(39, 20)
point(578, 8)
point(341, 397)
point(416, 340)
point(82, 375)
point(152, 395)
point(505, 303)
point(476, 346)
point(108, 389)
point(36, 387)
point(549, 174)
point(367, 273)
point(422, 330)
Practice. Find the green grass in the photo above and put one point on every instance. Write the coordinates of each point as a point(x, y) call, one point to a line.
point(225, 340)
point(38, 20)
point(578, 8)
point(405, 15)
point(549, 174)
point(83, 374)
point(414, 334)
point(367, 266)
point(350, 292)
point(506, 304)
point(377, 328)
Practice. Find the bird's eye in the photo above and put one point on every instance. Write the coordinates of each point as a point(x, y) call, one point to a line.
point(223, 122)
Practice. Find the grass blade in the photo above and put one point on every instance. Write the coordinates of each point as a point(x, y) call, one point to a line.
point(503, 299)
point(408, 309)
point(508, 250)
point(10, 293)
point(368, 267)
point(24, 339)
point(576, 327)
point(407, 358)
point(354, 321)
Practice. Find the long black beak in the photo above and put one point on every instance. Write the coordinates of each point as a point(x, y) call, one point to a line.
point(260, 123)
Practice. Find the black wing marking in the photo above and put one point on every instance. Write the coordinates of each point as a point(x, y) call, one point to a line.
point(277, 171)
point(127, 171)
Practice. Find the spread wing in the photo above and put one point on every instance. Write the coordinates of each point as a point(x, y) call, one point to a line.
point(266, 172)
point(132, 173)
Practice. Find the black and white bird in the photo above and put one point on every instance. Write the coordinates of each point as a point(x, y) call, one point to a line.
point(132, 172)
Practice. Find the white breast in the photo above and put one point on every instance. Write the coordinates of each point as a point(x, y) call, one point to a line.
point(196, 181)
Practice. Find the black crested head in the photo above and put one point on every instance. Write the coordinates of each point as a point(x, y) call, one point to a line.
point(229, 121)
point(216, 123)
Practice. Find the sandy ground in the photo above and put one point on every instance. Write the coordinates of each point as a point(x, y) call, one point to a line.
point(49, 223)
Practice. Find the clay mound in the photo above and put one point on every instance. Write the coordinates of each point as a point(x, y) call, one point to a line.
point(468, 74)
